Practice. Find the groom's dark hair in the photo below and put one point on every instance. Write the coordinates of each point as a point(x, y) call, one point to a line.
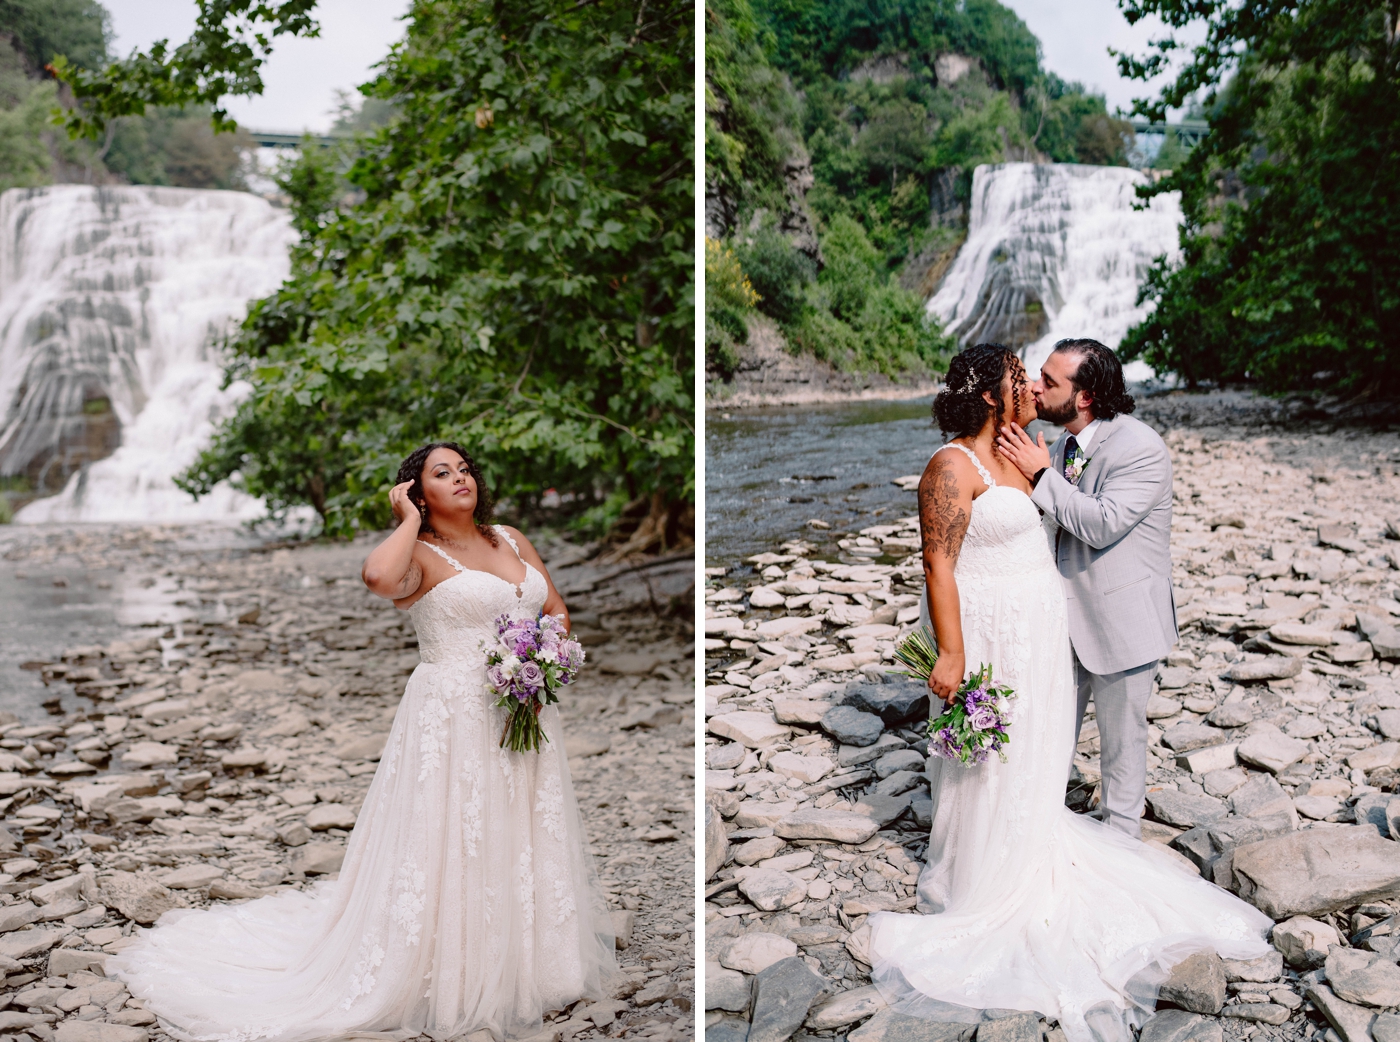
point(1100, 376)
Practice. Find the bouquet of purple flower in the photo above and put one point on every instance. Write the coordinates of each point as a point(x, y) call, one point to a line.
point(532, 659)
point(974, 724)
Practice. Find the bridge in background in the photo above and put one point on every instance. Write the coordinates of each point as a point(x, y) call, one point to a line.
point(272, 139)
point(1189, 131)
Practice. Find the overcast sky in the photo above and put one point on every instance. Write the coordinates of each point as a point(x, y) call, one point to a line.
point(1075, 36)
point(302, 76)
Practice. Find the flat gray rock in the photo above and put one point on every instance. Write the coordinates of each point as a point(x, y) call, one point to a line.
point(846, 1008)
point(883, 809)
point(850, 726)
point(1304, 941)
point(1184, 811)
point(1351, 1021)
point(1259, 1012)
point(728, 1029)
point(1363, 977)
point(726, 989)
point(838, 826)
point(1261, 796)
point(1185, 737)
point(1370, 809)
point(1316, 871)
point(782, 995)
point(1179, 1025)
point(770, 889)
point(1386, 1028)
point(1012, 1027)
point(899, 760)
point(1274, 667)
point(1231, 714)
point(1262, 970)
point(1272, 750)
point(895, 700)
point(896, 783)
point(888, 1026)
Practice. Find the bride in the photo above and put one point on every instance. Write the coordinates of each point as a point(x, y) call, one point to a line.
point(1033, 907)
point(467, 899)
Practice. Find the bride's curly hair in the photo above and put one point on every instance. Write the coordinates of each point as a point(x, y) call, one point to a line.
point(412, 470)
point(959, 408)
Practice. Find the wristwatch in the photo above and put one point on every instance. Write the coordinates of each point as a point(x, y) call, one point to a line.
point(1036, 480)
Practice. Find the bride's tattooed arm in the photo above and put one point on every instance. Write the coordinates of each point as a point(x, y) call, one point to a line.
point(945, 509)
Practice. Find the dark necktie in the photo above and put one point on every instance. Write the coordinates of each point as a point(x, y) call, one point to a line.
point(1071, 447)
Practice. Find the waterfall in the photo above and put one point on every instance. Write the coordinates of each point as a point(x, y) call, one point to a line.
point(112, 301)
point(1054, 251)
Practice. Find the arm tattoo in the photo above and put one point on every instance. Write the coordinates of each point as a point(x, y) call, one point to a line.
point(412, 579)
point(942, 519)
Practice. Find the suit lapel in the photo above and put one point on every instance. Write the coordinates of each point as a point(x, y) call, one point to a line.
point(1089, 480)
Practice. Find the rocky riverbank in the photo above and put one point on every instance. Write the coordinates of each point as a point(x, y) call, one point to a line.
point(226, 757)
point(1274, 758)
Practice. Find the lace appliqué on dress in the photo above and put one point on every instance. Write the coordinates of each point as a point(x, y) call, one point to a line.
point(549, 804)
point(362, 979)
point(408, 901)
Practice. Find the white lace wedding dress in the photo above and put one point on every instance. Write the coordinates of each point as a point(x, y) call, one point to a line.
point(467, 898)
point(1034, 907)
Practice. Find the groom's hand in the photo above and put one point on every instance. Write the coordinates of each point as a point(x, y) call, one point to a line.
point(1029, 457)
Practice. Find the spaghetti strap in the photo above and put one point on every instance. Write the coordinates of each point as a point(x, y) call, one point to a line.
point(981, 470)
point(444, 555)
point(507, 537)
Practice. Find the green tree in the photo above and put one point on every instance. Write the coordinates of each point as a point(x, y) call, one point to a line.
point(518, 274)
point(44, 29)
point(1290, 247)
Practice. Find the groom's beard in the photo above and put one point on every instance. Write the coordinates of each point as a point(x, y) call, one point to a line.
point(1060, 415)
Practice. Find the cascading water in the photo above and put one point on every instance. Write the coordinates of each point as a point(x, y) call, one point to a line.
point(1054, 251)
point(112, 300)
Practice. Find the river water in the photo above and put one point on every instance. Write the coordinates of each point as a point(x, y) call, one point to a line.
point(768, 471)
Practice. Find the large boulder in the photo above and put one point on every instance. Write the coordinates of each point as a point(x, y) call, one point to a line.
point(895, 700)
point(1363, 977)
point(1316, 871)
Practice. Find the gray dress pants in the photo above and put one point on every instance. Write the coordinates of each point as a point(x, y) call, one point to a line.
point(1120, 706)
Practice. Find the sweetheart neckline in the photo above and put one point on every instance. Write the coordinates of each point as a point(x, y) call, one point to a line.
point(519, 587)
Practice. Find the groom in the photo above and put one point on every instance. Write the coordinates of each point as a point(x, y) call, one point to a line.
point(1107, 483)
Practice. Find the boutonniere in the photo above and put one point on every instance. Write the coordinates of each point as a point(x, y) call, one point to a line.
point(1075, 464)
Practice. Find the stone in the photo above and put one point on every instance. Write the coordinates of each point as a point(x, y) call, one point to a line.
point(1386, 1028)
point(1363, 977)
point(623, 921)
point(1014, 1027)
point(889, 1026)
point(1352, 1022)
point(1177, 1025)
point(1209, 758)
point(1370, 809)
point(726, 989)
point(369, 747)
point(1180, 809)
point(769, 889)
point(240, 758)
point(659, 990)
point(882, 809)
point(716, 842)
point(294, 834)
point(320, 858)
point(1316, 871)
point(837, 826)
point(1261, 796)
point(755, 951)
point(758, 849)
point(1224, 781)
point(150, 754)
point(1196, 983)
point(12, 917)
point(1173, 678)
point(845, 1008)
point(140, 899)
point(777, 629)
point(1261, 1012)
point(1301, 633)
point(805, 712)
point(1263, 969)
point(846, 663)
point(755, 814)
point(724, 1029)
point(330, 816)
point(232, 890)
point(11, 1021)
point(1318, 808)
point(806, 769)
point(896, 700)
point(1231, 714)
point(749, 728)
point(192, 877)
point(581, 745)
point(850, 726)
point(1303, 941)
point(899, 760)
point(21, 944)
point(1185, 737)
point(1387, 754)
point(97, 1031)
point(765, 597)
point(1272, 750)
point(1274, 667)
point(63, 961)
point(782, 995)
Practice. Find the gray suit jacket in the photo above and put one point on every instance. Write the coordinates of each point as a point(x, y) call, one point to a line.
point(1114, 550)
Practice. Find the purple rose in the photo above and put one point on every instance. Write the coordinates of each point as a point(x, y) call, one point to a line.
point(983, 718)
point(498, 677)
point(531, 675)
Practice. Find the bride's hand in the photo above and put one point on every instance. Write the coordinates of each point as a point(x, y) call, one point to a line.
point(402, 506)
point(947, 675)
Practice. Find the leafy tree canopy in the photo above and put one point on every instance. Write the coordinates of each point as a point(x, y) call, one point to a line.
point(42, 30)
point(1290, 267)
